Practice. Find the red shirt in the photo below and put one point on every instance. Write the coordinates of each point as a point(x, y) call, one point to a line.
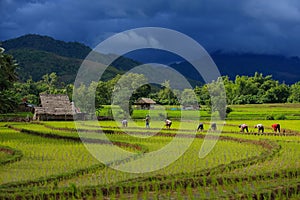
point(274, 126)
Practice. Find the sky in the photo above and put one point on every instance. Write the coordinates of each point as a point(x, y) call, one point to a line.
point(253, 26)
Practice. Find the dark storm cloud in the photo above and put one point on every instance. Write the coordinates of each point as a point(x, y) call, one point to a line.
point(251, 26)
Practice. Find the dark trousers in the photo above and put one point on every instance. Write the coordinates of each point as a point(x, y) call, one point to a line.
point(200, 127)
point(262, 129)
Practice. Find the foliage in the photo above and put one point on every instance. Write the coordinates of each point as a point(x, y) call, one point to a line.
point(228, 110)
point(128, 89)
point(29, 91)
point(85, 97)
point(45, 43)
point(276, 92)
point(188, 98)
point(295, 93)
point(218, 97)
point(35, 64)
point(166, 96)
point(45, 56)
point(280, 117)
point(243, 90)
point(270, 117)
point(256, 89)
point(8, 66)
point(202, 94)
point(39, 55)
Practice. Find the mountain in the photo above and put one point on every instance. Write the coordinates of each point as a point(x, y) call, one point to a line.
point(48, 44)
point(38, 55)
point(283, 69)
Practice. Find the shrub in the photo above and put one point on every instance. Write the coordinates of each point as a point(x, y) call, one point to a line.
point(228, 110)
point(280, 117)
point(270, 117)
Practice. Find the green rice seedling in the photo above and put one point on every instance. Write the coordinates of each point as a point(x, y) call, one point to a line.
point(230, 160)
point(189, 192)
point(179, 194)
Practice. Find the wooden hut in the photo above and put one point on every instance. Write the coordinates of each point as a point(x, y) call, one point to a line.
point(54, 107)
point(145, 103)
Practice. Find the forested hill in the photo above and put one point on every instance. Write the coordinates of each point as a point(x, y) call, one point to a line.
point(48, 44)
point(283, 69)
point(38, 55)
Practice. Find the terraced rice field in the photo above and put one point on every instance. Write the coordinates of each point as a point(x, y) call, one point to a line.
point(48, 160)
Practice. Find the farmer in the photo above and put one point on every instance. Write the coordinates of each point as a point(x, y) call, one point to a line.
point(260, 127)
point(168, 123)
point(213, 126)
point(200, 127)
point(147, 119)
point(244, 127)
point(276, 127)
point(124, 123)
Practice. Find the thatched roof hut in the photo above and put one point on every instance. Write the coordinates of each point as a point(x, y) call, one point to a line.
point(54, 107)
point(145, 103)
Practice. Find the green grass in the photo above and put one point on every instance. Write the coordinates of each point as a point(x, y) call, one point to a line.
point(8, 116)
point(4, 156)
point(239, 112)
point(42, 157)
point(261, 111)
point(239, 166)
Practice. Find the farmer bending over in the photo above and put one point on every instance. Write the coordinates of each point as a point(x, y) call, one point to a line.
point(168, 123)
point(124, 123)
point(260, 127)
point(276, 127)
point(213, 126)
point(200, 127)
point(244, 127)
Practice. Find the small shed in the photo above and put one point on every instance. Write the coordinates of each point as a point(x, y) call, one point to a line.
point(54, 107)
point(145, 103)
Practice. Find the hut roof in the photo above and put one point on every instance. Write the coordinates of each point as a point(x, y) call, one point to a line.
point(55, 104)
point(145, 101)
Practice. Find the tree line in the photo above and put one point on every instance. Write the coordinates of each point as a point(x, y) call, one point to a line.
point(255, 89)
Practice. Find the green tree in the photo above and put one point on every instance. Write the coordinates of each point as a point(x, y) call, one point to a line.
point(218, 97)
point(277, 94)
point(203, 95)
point(27, 91)
point(188, 97)
point(230, 89)
point(104, 91)
point(85, 100)
point(166, 95)
point(294, 93)
point(103, 94)
point(127, 90)
point(245, 86)
point(49, 81)
point(8, 99)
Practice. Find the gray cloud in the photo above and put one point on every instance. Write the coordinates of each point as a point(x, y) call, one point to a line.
point(250, 26)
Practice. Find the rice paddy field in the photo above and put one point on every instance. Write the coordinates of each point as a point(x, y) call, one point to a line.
point(49, 160)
